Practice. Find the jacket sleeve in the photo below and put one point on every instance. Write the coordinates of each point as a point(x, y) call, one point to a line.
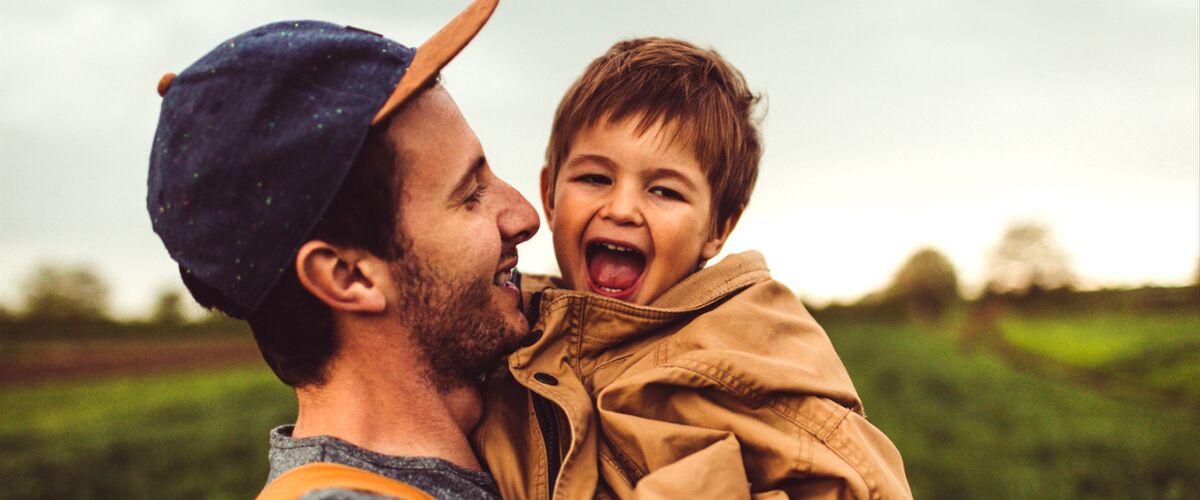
point(714, 471)
point(700, 437)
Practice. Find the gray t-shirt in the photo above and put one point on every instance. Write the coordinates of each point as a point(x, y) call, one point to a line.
point(435, 476)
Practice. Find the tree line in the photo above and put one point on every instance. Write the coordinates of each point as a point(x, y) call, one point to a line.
point(1027, 268)
point(1026, 263)
point(76, 294)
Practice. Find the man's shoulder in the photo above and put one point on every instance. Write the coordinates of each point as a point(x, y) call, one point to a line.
point(341, 494)
point(435, 476)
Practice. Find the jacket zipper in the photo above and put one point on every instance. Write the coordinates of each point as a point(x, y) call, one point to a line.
point(544, 410)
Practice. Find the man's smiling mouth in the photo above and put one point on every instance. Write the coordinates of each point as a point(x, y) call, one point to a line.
point(614, 269)
point(504, 277)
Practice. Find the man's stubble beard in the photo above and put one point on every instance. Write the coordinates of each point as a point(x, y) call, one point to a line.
point(456, 323)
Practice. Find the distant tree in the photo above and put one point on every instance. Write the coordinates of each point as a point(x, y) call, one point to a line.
point(1028, 257)
point(65, 293)
point(926, 284)
point(168, 308)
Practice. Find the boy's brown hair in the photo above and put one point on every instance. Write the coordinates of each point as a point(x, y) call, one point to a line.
point(693, 92)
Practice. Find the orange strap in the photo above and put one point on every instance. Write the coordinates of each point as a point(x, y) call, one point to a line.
point(297, 482)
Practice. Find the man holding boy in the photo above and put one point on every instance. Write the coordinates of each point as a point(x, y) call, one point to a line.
point(648, 375)
point(316, 181)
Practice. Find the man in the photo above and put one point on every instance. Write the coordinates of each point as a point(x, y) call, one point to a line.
point(315, 180)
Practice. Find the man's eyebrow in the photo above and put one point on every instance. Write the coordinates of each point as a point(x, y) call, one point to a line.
point(465, 183)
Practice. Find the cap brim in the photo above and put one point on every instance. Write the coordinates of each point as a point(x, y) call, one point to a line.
point(438, 50)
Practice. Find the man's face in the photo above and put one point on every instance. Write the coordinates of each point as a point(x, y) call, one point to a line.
point(630, 212)
point(462, 225)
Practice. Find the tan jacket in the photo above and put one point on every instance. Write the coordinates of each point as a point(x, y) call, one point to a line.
point(724, 387)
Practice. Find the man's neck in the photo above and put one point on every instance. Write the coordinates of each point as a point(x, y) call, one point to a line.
point(382, 402)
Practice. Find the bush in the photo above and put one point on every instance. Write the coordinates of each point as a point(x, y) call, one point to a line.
point(65, 294)
point(926, 285)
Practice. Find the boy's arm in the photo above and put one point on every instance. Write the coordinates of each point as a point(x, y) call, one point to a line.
point(691, 462)
point(787, 445)
point(713, 472)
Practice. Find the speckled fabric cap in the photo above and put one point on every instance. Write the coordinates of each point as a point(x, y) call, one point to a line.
point(255, 138)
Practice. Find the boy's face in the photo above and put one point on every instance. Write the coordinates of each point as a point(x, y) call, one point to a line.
point(631, 213)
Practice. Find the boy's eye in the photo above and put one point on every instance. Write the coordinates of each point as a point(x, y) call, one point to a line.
point(667, 193)
point(593, 179)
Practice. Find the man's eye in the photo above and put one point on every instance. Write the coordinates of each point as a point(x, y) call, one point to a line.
point(477, 195)
point(667, 193)
point(594, 179)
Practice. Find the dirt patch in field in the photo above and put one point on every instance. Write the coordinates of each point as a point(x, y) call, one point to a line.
point(54, 361)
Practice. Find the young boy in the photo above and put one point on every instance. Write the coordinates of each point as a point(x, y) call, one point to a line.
point(647, 374)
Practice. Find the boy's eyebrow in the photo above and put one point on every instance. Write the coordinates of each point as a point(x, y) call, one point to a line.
point(601, 159)
point(464, 185)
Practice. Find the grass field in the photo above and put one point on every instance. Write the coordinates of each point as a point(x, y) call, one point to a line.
point(200, 434)
point(968, 424)
point(1104, 339)
point(1154, 353)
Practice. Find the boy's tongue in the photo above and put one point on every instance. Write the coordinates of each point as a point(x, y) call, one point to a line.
point(613, 269)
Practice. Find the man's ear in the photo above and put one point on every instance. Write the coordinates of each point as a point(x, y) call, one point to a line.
point(547, 195)
point(712, 247)
point(346, 279)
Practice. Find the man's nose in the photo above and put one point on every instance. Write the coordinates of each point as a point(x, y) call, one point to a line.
point(518, 221)
point(621, 207)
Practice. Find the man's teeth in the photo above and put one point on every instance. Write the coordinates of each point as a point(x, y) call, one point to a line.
point(617, 248)
point(502, 278)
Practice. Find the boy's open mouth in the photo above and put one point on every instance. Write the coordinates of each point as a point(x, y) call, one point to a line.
point(614, 269)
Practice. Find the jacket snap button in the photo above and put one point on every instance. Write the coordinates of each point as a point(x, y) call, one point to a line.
point(532, 338)
point(545, 378)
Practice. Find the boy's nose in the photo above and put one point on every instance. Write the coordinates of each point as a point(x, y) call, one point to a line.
point(622, 209)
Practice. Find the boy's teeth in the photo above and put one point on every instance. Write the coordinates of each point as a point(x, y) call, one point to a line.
point(610, 246)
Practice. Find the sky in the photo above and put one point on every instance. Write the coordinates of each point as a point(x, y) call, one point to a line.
point(888, 126)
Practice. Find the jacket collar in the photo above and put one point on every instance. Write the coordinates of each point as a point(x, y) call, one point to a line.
point(610, 321)
point(711, 284)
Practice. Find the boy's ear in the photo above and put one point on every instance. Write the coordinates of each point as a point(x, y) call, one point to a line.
point(712, 247)
point(346, 279)
point(547, 195)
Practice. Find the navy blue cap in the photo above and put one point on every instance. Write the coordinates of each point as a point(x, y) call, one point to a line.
point(253, 143)
point(255, 139)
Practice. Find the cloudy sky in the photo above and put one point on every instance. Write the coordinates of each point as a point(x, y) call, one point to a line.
point(890, 125)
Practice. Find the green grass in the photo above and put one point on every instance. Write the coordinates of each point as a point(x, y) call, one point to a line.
point(970, 426)
point(1153, 353)
point(190, 435)
point(1100, 339)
